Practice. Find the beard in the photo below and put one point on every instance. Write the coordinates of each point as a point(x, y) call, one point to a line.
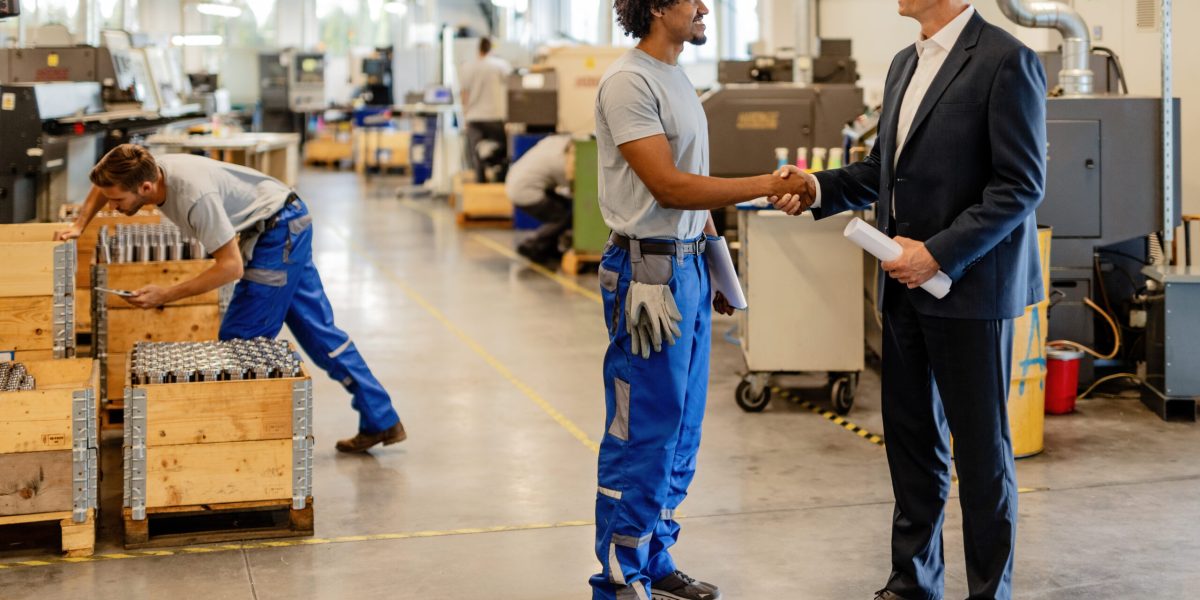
point(698, 40)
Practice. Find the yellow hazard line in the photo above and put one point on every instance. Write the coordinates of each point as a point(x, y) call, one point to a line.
point(567, 283)
point(833, 417)
point(263, 545)
point(470, 342)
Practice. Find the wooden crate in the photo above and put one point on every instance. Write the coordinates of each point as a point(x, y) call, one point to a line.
point(86, 248)
point(120, 325)
point(249, 450)
point(48, 451)
point(37, 302)
point(329, 150)
point(481, 204)
point(393, 149)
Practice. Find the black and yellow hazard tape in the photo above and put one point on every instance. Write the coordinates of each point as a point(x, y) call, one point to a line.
point(284, 543)
point(839, 420)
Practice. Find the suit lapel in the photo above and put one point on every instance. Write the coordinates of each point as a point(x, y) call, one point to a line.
point(955, 61)
point(895, 95)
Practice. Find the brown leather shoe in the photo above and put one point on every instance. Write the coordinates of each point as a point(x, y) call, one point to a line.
point(364, 441)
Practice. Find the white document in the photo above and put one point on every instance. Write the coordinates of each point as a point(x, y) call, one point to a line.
point(886, 249)
point(724, 276)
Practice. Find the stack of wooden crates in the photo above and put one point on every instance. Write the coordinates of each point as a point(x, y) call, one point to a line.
point(48, 441)
point(119, 325)
point(37, 295)
point(241, 466)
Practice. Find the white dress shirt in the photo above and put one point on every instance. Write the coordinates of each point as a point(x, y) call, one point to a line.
point(931, 55)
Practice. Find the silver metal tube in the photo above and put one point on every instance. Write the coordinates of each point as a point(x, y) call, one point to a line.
point(1076, 76)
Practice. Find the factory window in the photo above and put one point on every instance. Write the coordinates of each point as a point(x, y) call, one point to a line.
point(581, 20)
point(348, 24)
point(39, 13)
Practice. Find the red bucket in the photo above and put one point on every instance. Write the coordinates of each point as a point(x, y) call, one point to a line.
point(1062, 381)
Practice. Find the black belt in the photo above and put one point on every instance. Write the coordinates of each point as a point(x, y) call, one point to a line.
point(662, 248)
point(273, 220)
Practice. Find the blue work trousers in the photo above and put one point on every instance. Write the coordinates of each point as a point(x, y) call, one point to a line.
point(281, 285)
point(654, 409)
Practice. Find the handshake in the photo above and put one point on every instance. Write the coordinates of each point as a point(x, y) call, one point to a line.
point(793, 191)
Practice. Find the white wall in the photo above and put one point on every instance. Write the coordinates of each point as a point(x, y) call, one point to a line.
point(878, 32)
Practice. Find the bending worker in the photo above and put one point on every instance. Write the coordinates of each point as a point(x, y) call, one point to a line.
point(655, 194)
point(214, 202)
point(539, 184)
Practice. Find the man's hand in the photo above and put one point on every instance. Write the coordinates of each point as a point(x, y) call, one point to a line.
point(797, 190)
point(68, 234)
point(151, 296)
point(721, 304)
point(915, 265)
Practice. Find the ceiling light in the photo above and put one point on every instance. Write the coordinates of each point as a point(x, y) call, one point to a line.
point(197, 40)
point(219, 10)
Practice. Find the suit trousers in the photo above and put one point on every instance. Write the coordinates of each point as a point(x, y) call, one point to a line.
point(945, 377)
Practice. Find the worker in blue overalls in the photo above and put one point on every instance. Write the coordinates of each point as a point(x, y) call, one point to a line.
point(217, 203)
point(652, 139)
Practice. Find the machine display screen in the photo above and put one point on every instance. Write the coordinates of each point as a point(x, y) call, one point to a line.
point(10, 8)
point(311, 69)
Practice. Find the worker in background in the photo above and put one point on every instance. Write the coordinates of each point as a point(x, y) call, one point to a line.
point(539, 183)
point(214, 202)
point(484, 84)
point(958, 171)
point(655, 195)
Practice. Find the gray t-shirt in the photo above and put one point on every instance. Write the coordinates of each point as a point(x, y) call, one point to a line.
point(641, 96)
point(485, 82)
point(212, 201)
point(541, 168)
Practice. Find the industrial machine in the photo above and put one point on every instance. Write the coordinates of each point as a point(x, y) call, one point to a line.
point(38, 120)
point(1105, 200)
point(746, 122)
point(377, 68)
point(533, 100)
point(292, 83)
point(834, 65)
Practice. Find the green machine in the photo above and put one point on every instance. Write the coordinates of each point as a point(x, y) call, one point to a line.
point(590, 232)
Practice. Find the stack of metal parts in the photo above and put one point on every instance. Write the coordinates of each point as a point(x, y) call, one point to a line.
point(230, 360)
point(146, 243)
point(14, 378)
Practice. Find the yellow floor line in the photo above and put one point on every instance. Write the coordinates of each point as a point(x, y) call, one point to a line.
point(566, 282)
point(475, 346)
point(348, 539)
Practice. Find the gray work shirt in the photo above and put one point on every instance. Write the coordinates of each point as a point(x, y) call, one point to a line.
point(486, 83)
point(641, 96)
point(212, 201)
point(542, 168)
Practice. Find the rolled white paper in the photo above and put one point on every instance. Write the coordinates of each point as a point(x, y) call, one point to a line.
point(724, 277)
point(886, 249)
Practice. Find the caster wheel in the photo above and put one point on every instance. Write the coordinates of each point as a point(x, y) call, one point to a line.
point(749, 401)
point(842, 396)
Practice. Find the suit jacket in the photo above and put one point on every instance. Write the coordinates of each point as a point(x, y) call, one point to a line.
point(970, 177)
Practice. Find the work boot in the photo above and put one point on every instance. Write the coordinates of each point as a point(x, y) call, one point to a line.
point(678, 586)
point(364, 441)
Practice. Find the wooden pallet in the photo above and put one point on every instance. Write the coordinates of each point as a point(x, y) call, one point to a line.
point(466, 221)
point(573, 263)
point(78, 539)
point(212, 523)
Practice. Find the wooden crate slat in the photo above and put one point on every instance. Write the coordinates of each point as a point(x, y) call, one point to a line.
point(218, 473)
point(233, 412)
point(172, 324)
point(27, 323)
point(35, 421)
point(30, 232)
point(132, 276)
point(28, 269)
point(35, 482)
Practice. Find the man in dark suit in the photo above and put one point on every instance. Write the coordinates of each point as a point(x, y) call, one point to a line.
point(957, 170)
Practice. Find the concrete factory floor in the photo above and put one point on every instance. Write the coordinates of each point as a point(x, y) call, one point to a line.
point(495, 369)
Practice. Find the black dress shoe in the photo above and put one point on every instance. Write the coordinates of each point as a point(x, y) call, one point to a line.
point(886, 594)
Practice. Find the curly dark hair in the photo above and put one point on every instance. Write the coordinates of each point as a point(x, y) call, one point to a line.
point(635, 16)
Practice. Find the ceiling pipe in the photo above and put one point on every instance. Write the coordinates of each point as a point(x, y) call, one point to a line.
point(1076, 76)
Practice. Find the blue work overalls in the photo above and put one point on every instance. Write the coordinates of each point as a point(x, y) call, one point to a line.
point(654, 409)
point(281, 285)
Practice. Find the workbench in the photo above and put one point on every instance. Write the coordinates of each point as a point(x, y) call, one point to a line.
point(276, 154)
